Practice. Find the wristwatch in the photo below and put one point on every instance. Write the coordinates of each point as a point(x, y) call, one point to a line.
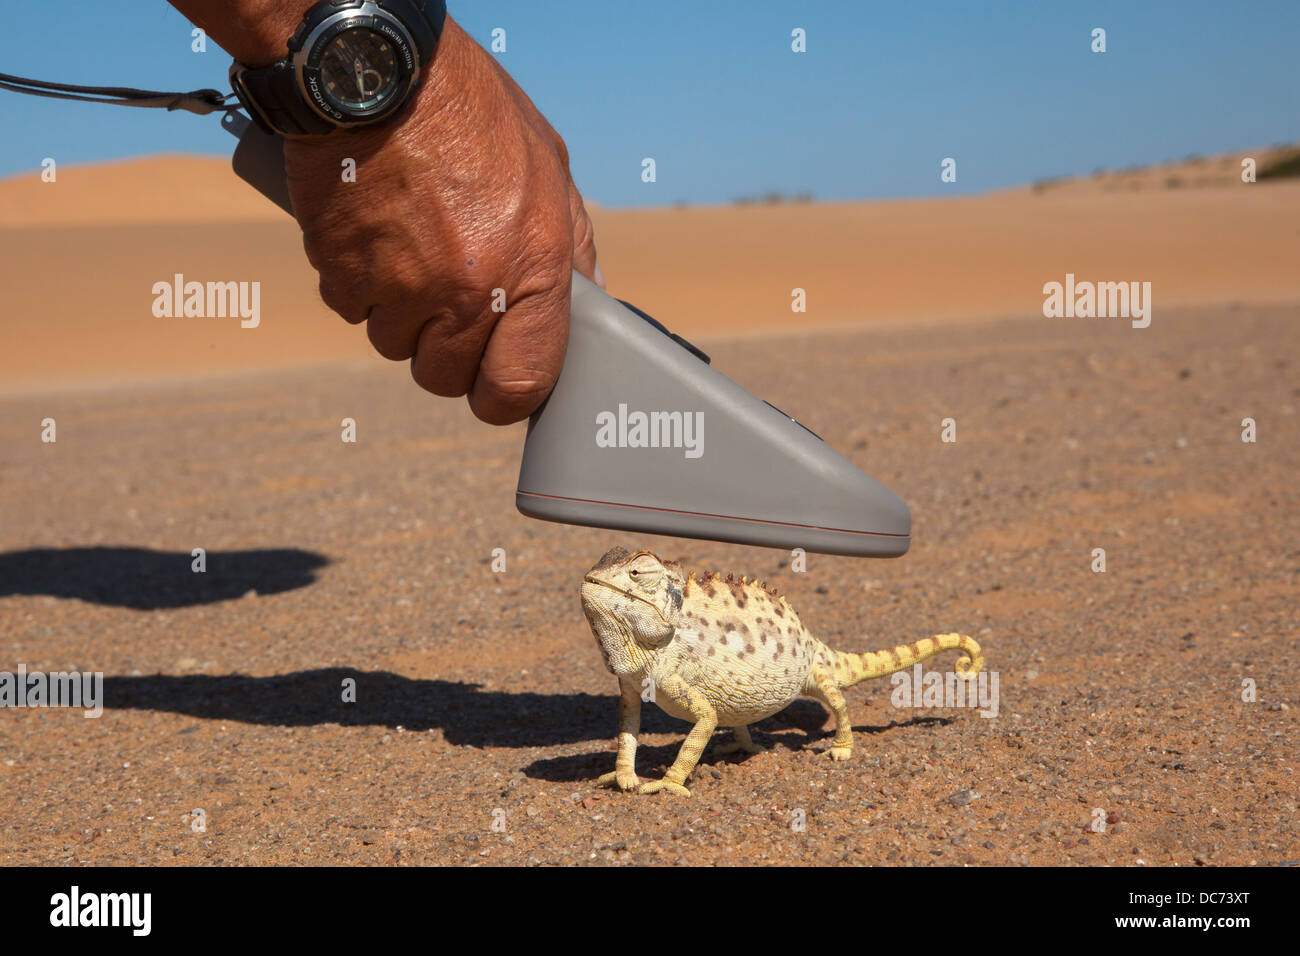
point(351, 63)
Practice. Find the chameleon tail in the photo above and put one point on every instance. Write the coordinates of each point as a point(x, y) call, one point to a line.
point(852, 668)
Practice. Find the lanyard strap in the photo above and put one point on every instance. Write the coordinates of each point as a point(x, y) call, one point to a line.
point(201, 102)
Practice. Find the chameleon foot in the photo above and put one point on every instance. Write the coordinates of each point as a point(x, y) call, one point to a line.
point(740, 740)
point(840, 753)
point(654, 786)
point(737, 746)
point(623, 779)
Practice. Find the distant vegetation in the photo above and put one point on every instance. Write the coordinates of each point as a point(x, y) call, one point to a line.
point(772, 198)
point(1281, 160)
point(1284, 166)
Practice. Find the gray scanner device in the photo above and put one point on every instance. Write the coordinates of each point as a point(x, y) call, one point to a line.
point(641, 434)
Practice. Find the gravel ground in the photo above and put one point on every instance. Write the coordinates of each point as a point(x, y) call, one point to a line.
point(483, 712)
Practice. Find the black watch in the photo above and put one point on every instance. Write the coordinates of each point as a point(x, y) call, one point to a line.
point(351, 63)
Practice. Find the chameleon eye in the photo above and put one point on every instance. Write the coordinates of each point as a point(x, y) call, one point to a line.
point(634, 572)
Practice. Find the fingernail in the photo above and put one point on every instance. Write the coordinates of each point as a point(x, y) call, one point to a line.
point(599, 276)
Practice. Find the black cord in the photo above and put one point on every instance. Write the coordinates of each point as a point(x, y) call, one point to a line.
point(201, 102)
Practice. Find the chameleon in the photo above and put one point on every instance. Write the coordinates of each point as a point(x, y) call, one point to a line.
point(721, 653)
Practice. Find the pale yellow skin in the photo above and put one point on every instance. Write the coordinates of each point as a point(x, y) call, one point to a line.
point(721, 653)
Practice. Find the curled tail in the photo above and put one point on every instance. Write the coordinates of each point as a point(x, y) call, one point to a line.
point(852, 668)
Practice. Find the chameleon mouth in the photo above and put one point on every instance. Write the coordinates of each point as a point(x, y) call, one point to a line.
point(588, 579)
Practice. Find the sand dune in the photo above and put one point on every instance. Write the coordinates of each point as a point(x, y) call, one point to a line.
point(1220, 171)
point(83, 254)
point(154, 189)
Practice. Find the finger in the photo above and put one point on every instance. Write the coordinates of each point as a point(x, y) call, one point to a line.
point(408, 300)
point(395, 332)
point(523, 356)
point(448, 352)
point(345, 298)
point(584, 238)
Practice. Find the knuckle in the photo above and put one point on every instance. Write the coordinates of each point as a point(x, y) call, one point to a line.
point(562, 151)
point(543, 267)
point(393, 343)
point(408, 281)
point(584, 233)
point(341, 297)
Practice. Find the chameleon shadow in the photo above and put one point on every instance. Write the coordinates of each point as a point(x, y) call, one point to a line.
point(809, 720)
point(466, 714)
point(148, 580)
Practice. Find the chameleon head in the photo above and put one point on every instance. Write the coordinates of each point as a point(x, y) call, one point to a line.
point(632, 602)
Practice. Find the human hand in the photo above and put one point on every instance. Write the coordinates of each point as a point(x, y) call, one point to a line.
point(465, 192)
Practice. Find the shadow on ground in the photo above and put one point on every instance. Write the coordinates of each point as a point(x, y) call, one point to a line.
point(800, 726)
point(463, 712)
point(149, 580)
point(467, 715)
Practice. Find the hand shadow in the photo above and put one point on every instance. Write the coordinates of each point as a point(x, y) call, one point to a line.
point(149, 580)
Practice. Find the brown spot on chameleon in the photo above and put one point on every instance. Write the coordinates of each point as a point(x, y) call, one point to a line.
point(734, 624)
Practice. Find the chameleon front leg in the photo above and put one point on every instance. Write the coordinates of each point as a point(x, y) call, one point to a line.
point(706, 721)
point(629, 723)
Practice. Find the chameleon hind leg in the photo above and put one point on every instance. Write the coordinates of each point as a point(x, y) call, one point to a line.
point(828, 692)
point(741, 741)
point(706, 720)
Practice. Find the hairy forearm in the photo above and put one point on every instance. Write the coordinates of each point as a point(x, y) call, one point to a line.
point(254, 32)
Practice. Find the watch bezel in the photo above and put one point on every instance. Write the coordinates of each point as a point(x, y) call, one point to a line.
point(307, 58)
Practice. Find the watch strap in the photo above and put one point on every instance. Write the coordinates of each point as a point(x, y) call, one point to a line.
point(424, 19)
point(272, 97)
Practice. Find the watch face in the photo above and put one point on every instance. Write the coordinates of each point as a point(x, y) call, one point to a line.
point(359, 71)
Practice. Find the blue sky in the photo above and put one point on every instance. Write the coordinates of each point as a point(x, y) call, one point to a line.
point(712, 91)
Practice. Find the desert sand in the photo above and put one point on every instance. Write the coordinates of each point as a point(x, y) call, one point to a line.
point(481, 696)
point(83, 253)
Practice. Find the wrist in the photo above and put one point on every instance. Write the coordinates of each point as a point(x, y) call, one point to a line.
point(254, 32)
